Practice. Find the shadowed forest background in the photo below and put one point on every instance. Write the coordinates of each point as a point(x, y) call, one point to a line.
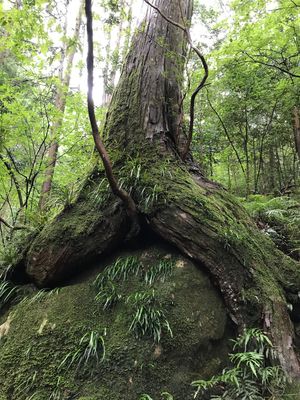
point(96, 306)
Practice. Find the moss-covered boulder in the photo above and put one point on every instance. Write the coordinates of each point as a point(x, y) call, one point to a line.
point(150, 322)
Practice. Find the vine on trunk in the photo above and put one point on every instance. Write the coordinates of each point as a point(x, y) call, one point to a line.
point(119, 192)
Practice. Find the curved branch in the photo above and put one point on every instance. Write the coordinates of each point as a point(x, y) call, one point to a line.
point(14, 179)
point(186, 30)
point(4, 222)
point(193, 97)
point(285, 71)
point(119, 192)
point(14, 228)
point(183, 28)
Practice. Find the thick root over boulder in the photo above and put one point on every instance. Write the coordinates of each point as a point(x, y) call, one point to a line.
point(207, 225)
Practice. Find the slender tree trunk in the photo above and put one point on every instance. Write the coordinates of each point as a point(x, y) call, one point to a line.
point(297, 129)
point(173, 198)
point(60, 105)
point(272, 166)
point(262, 143)
point(106, 82)
point(279, 171)
point(246, 147)
point(229, 172)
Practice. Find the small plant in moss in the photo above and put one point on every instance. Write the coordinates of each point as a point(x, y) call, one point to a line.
point(161, 271)
point(120, 270)
point(90, 349)
point(108, 296)
point(148, 317)
point(8, 292)
point(251, 377)
point(25, 387)
point(164, 396)
point(145, 396)
point(100, 194)
point(41, 295)
point(57, 392)
point(130, 174)
point(150, 195)
point(167, 396)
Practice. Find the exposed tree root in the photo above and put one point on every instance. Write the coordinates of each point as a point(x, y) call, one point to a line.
point(207, 225)
point(246, 273)
point(73, 241)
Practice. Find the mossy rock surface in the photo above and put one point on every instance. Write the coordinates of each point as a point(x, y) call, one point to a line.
point(293, 392)
point(45, 328)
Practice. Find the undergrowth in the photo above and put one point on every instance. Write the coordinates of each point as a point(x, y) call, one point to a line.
point(123, 268)
point(119, 271)
point(251, 376)
point(279, 218)
point(160, 271)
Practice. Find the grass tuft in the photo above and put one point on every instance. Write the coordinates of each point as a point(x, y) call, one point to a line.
point(160, 271)
point(90, 349)
point(148, 318)
point(8, 292)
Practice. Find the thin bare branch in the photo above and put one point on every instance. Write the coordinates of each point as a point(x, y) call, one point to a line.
point(14, 179)
point(15, 228)
point(267, 64)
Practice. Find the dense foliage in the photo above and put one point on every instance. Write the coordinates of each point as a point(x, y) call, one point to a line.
point(245, 131)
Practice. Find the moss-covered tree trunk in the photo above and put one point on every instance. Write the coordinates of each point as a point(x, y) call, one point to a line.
point(145, 138)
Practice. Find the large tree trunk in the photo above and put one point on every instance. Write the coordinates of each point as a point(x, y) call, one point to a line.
point(174, 200)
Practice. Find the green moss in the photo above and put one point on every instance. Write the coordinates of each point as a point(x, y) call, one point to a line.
point(293, 392)
point(45, 330)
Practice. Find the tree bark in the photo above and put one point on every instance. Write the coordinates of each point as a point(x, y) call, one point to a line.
point(145, 140)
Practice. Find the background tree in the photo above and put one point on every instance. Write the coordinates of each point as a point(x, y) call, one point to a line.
point(256, 66)
point(65, 70)
point(28, 89)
